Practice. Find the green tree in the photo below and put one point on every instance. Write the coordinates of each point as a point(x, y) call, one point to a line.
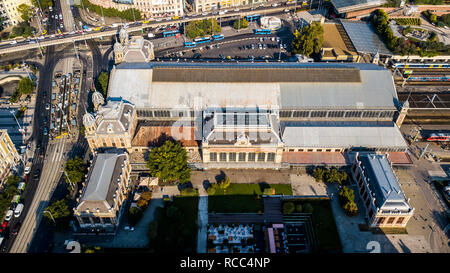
point(288, 207)
point(134, 215)
point(433, 18)
point(102, 83)
point(26, 86)
point(202, 28)
point(60, 212)
point(25, 11)
point(22, 29)
point(351, 208)
point(169, 162)
point(308, 208)
point(144, 200)
point(75, 169)
point(44, 4)
point(189, 192)
point(211, 189)
point(332, 176)
point(319, 174)
point(240, 24)
point(225, 183)
point(309, 40)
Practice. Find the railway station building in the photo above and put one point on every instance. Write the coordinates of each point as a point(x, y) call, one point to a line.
point(107, 185)
point(258, 115)
point(384, 201)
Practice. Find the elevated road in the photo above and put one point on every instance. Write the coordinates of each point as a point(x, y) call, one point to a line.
point(134, 27)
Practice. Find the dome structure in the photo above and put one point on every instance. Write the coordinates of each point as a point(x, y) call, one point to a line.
point(123, 36)
point(97, 99)
point(88, 120)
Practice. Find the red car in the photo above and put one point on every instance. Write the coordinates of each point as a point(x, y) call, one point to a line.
point(4, 225)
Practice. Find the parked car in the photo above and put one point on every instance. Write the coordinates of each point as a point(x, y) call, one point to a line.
point(45, 131)
point(36, 174)
point(13, 42)
point(9, 215)
point(18, 210)
point(3, 226)
point(47, 106)
point(16, 228)
point(27, 170)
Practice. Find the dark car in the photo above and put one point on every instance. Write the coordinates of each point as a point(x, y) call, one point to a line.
point(197, 56)
point(16, 228)
point(36, 174)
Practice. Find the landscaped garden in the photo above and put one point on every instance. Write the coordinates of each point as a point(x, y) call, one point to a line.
point(407, 45)
point(323, 222)
point(175, 226)
point(407, 21)
point(242, 198)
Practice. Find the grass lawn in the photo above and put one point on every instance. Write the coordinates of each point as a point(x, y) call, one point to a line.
point(241, 198)
point(325, 226)
point(176, 227)
point(234, 204)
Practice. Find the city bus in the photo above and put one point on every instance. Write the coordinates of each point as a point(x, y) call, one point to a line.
point(170, 33)
point(251, 18)
point(202, 40)
point(190, 44)
point(262, 31)
point(218, 37)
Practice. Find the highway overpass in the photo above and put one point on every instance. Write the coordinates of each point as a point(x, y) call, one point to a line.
point(134, 27)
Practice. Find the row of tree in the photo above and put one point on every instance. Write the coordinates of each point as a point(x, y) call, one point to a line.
point(202, 28)
point(240, 24)
point(7, 193)
point(440, 21)
point(330, 175)
point(308, 40)
point(290, 207)
point(380, 21)
point(131, 14)
point(25, 87)
point(347, 201)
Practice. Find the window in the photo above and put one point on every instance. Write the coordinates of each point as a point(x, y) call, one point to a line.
point(241, 157)
point(381, 220)
point(391, 220)
point(223, 157)
point(318, 114)
point(213, 157)
point(301, 114)
point(261, 157)
point(271, 157)
point(285, 114)
point(232, 157)
point(336, 114)
point(107, 220)
point(85, 220)
point(96, 220)
point(251, 156)
point(400, 220)
point(353, 114)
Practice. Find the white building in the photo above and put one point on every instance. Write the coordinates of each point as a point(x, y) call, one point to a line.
point(8, 11)
point(148, 8)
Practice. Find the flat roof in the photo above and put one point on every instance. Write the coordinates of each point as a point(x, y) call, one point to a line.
point(336, 135)
point(364, 38)
point(343, 6)
point(150, 85)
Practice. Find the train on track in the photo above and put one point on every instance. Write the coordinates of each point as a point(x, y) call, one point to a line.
point(438, 137)
point(428, 78)
point(421, 65)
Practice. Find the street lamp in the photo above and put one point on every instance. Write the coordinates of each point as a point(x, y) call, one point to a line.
point(50, 216)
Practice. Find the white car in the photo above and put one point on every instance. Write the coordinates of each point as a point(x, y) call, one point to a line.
point(13, 42)
point(41, 38)
point(114, 25)
point(204, 13)
point(236, 9)
point(274, 5)
point(18, 210)
point(27, 170)
point(158, 19)
point(221, 12)
point(9, 215)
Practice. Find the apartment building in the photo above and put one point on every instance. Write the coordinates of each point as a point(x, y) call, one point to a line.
point(208, 5)
point(148, 8)
point(9, 13)
point(9, 157)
